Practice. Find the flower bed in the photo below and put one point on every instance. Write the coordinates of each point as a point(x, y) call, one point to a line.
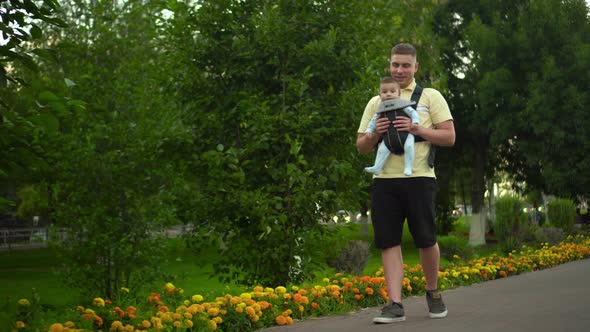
point(172, 310)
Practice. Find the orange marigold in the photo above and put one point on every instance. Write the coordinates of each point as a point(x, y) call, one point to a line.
point(281, 320)
point(57, 327)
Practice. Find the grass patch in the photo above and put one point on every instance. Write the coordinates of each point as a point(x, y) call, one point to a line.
point(24, 270)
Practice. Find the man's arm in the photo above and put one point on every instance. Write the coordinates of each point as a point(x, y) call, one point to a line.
point(443, 134)
point(365, 142)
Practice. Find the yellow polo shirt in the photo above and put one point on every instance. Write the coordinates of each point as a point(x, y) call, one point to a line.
point(432, 109)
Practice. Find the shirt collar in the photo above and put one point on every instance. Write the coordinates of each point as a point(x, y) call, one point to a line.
point(411, 86)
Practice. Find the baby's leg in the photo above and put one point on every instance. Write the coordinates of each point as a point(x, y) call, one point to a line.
point(382, 154)
point(408, 155)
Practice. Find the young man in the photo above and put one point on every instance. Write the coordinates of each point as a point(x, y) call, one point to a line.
point(397, 197)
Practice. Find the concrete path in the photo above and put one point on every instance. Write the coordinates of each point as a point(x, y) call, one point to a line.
point(552, 300)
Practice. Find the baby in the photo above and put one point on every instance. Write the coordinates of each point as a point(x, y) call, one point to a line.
point(389, 91)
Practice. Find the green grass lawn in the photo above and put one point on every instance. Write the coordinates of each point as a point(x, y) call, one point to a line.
point(23, 270)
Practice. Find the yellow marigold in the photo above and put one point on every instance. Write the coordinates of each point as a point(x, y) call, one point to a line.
point(289, 321)
point(24, 302)
point(246, 296)
point(57, 327)
point(146, 324)
point(177, 324)
point(213, 312)
point(20, 324)
point(69, 324)
point(217, 320)
point(213, 325)
point(294, 288)
point(125, 289)
point(188, 315)
point(239, 310)
point(188, 323)
point(99, 302)
point(281, 290)
point(115, 325)
point(197, 298)
point(269, 290)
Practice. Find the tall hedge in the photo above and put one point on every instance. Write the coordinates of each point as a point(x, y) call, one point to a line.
point(562, 213)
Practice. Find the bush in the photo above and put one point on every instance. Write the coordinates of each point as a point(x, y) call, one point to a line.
point(509, 217)
point(552, 235)
point(353, 258)
point(452, 245)
point(562, 213)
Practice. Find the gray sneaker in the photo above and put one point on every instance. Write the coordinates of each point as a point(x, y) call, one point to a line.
point(391, 313)
point(436, 306)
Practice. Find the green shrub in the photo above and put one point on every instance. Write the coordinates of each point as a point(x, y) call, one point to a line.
point(509, 217)
point(452, 245)
point(551, 235)
point(562, 213)
point(353, 258)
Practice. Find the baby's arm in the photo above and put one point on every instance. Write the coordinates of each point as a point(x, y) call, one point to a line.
point(372, 127)
point(412, 114)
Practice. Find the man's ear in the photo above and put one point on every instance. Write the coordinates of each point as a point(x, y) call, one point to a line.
point(416, 66)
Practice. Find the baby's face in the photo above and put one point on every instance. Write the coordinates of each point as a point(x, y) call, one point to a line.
point(389, 91)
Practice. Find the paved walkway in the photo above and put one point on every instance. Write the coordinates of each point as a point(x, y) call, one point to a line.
point(552, 300)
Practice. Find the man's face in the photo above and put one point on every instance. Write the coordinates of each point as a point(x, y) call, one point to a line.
point(389, 91)
point(403, 67)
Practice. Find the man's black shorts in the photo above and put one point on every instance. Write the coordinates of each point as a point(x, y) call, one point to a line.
point(394, 201)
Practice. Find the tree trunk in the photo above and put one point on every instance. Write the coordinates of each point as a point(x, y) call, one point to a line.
point(478, 224)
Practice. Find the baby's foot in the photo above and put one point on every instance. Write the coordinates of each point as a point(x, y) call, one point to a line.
point(408, 171)
point(372, 170)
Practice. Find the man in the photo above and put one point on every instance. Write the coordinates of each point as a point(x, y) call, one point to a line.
point(397, 197)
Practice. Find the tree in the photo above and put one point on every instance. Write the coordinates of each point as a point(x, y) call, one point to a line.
point(113, 167)
point(495, 53)
point(276, 90)
point(20, 26)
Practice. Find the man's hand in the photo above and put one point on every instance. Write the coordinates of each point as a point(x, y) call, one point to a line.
point(402, 123)
point(382, 124)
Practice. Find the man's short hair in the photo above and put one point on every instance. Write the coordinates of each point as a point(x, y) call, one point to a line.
point(404, 48)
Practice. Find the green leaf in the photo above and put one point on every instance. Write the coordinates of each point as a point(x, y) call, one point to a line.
point(47, 121)
point(36, 32)
point(47, 96)
point(45, 54)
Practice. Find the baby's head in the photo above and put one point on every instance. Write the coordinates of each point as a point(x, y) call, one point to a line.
point(389, 88)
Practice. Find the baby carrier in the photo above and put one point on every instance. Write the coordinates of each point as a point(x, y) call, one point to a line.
point(393, 139)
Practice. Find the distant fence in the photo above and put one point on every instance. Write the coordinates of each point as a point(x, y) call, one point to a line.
point(34, 237)
point(37, 237)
